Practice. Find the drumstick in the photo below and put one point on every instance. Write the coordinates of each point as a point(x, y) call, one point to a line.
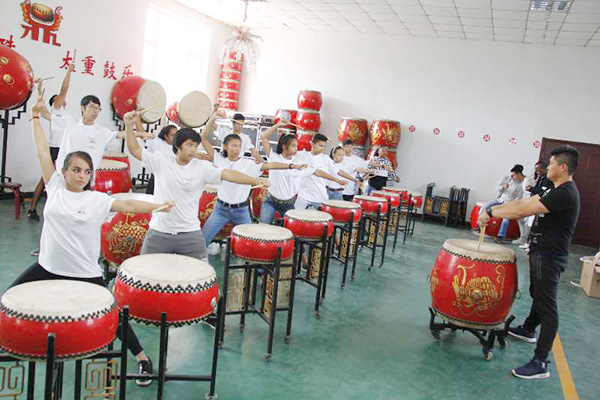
point(74, 56)
point(45, 79)
point(257, 186)
point(163, 207)
point(481, 236)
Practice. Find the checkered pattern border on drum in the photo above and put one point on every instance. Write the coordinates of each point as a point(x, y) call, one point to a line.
point(56, 319)
point(138, 284)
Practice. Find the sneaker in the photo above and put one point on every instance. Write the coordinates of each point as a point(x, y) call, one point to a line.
point(33, 215)
point(519, 241)
point(524, 246)
point(35, 252)
point(521, 333)
point(499, 240)
point(213, 249)
point(476, 230)
point(144, 368)
point(534, 369)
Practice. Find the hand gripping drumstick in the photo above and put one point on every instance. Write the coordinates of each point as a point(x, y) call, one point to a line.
point(481, 236)
point(163, 207)
point(257, 186)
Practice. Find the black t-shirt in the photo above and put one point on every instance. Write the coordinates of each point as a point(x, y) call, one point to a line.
point(553, 232)
point(542, 185)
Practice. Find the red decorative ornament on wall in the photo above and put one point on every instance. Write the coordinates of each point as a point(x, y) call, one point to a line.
point(513, 140)
point(436, 131)
point(537, 144)
point(486, 138)
point(229, 87)
point(461, 134)
point(412, 128)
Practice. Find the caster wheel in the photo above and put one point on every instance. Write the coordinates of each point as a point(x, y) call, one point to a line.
point(436, 335)
point(317, 314)
point(453, 330)
point(242, 327)
point(488, 355)
point(287, 339)
point(268, 357)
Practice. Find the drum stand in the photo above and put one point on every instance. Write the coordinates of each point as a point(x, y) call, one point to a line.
point(486, 337)
point(270, 292)
point(406, 225)
point(346, 249)
point(377, 226)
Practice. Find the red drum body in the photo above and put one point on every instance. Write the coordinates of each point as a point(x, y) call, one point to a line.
point(310, 100)
point(112, 177)
point(228, 104)
point(134, 92)
point(172, 113)
point(416, 199)
point(231, 74)
point(233, 65)
point(192, 111)
point(493, 226)
point(118, 156)
point(16, 79)
point(474, 289)
point(305, 140)
point(355, 129)
point(290, 115)
point(371, 205)
point(393, 198)
point(343, 211)
point(183, 287)
point(229, 84)
point(83, 317)
point(259, 242)
point(385, 132)
point(310, 224)
point(226, 94)
point(390, 155)
point(308, 120)
point(123, 235)
point(403, 193)
point(256, 200)
point(208, 199)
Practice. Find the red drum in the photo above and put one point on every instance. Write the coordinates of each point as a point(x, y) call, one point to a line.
point(416, 199)
point(259, 242)
point(291, 116)
point(305, 140)
point(118, 156)
point(310, 100)
point(229, 84)
point(208, 199)
point(371, 204)
point(16, 79)
point(385, 132)
point(256, 200)
point(493, 227)
point(134, 92)
point(392, 197)
point(42, 13)
point(192, 111)
point(233, 65)
point(309, 224)
point(123, 234)
point(183, 287)
point(403, 193)
point(228, 104)
point(225, 94)
point(342, 211)
point(390, 155)
point(231, 74)
point(112, 177)
point(83, 317)
point(308, 120)
point(355, 129)
point(474, 289)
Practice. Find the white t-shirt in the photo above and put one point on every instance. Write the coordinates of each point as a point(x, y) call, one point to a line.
point(92, 139)
point(182, 184)
point(158, 145)
point(349, 166)
point(246, 141)
point(313, 188)
point(70, 243)
point(57, 126)
point(234, 193)
point(285, 183)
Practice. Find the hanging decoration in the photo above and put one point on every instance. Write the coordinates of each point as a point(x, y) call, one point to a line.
point(436, 131)
point(244, 45)
point(412, 128)
point(486, 138)
point(513, 140)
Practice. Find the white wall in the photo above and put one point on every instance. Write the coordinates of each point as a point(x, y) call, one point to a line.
point(502, 89)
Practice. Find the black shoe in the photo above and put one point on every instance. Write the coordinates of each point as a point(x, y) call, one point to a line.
point(521, 333)
point(33, 215)
point(35, 252)
point(534, 369)
point(145, 368)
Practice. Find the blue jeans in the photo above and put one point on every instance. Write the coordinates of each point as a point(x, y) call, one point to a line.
point(269, 209)
point(334, 195)
point(505, 221)
point(220, 216)
point(303, 204)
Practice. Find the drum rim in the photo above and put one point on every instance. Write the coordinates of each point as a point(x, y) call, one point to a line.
point(117, 167)
point(353, 119)
point(112, 153)
point(145, 115)
point(370, 198)
point(467, 324)
point(355, 206)
point(283, 231)
point(383, 192)
point(507, 256)
point(385, 120)
point(309, 111)
point(395, 189)
point(325, 217)
point(309, 91)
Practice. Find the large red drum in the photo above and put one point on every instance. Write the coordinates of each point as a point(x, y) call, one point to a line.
point(310, 100)
point(493, 227)
point(192, 111)
point(385, 132)
point(122, 235)
point(308, 120)
point(112, 177)
point(471, 288)
point(229, 84)
point(343, 211)
point(183, 287)
point(230, 74)
point(134, 92)
point(82, 316)
point(228, 94)
point(355, 129)
point(208, 199)
point(290, 115)
point(392, 197)
point(403, 193)
point(16, 79)
point(118, 156)
point(305, 140)
point(259, 242)
point(371, 204)
point(390, 155)
point(310, 224)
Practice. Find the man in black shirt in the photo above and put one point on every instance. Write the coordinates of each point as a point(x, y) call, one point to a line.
point(542, 183)
point(557, 211)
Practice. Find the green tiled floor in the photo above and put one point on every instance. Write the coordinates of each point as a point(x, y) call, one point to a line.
point(372, 341)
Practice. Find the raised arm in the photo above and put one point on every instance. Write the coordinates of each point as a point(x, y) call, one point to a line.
point(43, 111)
point(132, 144)
point(267, 134)
point(59, 101)
point(344, 174)
point(41, 142)
point(208, 131)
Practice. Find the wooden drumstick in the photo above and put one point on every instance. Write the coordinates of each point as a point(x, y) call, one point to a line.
point(45, 79)
point(257, 186)
point(74, 56)
point(481, 236)
point(163, 207)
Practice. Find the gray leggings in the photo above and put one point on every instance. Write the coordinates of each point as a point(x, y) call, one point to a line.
point(190, 244)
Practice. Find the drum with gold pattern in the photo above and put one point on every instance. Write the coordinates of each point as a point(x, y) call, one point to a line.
point(260, 242)
point(385, 132)
point(311, 224)
point(112, 177)
point(16, 79)
point(208, 199)
point(355, 129)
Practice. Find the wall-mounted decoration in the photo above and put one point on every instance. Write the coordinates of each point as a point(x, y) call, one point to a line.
point(486, 138)
point(412, 128)
point(39, 17)
point(537, 144)
point(461, 134)
point(436, 131)
point(513, 140)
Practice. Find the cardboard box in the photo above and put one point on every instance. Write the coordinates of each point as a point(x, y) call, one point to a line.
point(590, 275)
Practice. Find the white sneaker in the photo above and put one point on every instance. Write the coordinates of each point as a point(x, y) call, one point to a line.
point(519, 241)
point(213, 249)
point(524, 246)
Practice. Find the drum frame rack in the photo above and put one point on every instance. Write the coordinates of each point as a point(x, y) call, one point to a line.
point(351, 250)
point(249, 306)
point(487, 337)
point(378, 220)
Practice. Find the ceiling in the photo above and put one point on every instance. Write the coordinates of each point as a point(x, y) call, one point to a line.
point(493, 20)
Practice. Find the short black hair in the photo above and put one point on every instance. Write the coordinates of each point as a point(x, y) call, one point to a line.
point(182, 135)
point(51, 101)
point(518, 169)
point(90, 98)
point(319, 137)
point(239, 117)
point(165, 131)
point(542, 164)
point(346, 142)
point(284, 141)
point(567, 155)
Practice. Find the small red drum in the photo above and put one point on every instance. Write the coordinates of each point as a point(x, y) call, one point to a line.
point(310, 224)
point(208, 199)
point(233, 65)
point(371, 204)
point(42, 13)
point(290, 115)
point(474, 289)
point(83, 317)
point(305, 140)
point(16, 79)
point(385, 132)
point(493, 227)
point(308, 120)
point(259, 242)
point(112, 177)
point(228, 104)
point(342, 211)
point(390, 155)
point(355, 129)
point(117, 156)
point(192, 111)
point(256, 200)
point(229, 84)
point(416, 199)
point(183, 287)
point(392, 197)
point(403, 193)
point(225, 94)
point(134, 92)
point(122, 236)
point(231, 74)
point(310, 100)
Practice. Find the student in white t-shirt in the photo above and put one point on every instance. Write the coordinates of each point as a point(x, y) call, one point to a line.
point(180, 177)
point(163, 143)
point(70, 245)
point(334, 189)
point(237, 123)
point(353, 164)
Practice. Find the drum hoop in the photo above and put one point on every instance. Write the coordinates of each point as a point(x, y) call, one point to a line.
point(308, 111)
point(137, 100)
point(354, 206)
point(384, 193)
point(353, 119)
point(479, 259)
point(467, 324)
point(53, 318)
point(323, 220)
point(176, 324)
point(160, 288)
point(69, 356)
point(314, 221)
point(310, 91)
point(281, 240)
point(263, 260)
point(111, 167)
point(371, 198)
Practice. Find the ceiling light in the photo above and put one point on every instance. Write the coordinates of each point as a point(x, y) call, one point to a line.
point(547, 5)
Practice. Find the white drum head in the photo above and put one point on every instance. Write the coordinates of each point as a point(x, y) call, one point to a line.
point(394, 189)
point(152, 97)
point(134, 196)
point(194, 109)
point(487, 251)
point(108, 165)
point(263, 232)
point(162, 270)
point(65, 299)
point(371, 198)
point(210, 188)
point(309, 215)
point(115, 154)
point(341, 204)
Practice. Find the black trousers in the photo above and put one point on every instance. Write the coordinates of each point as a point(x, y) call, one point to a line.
point(544, 272)
point(36, 272)
point(378, 182)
